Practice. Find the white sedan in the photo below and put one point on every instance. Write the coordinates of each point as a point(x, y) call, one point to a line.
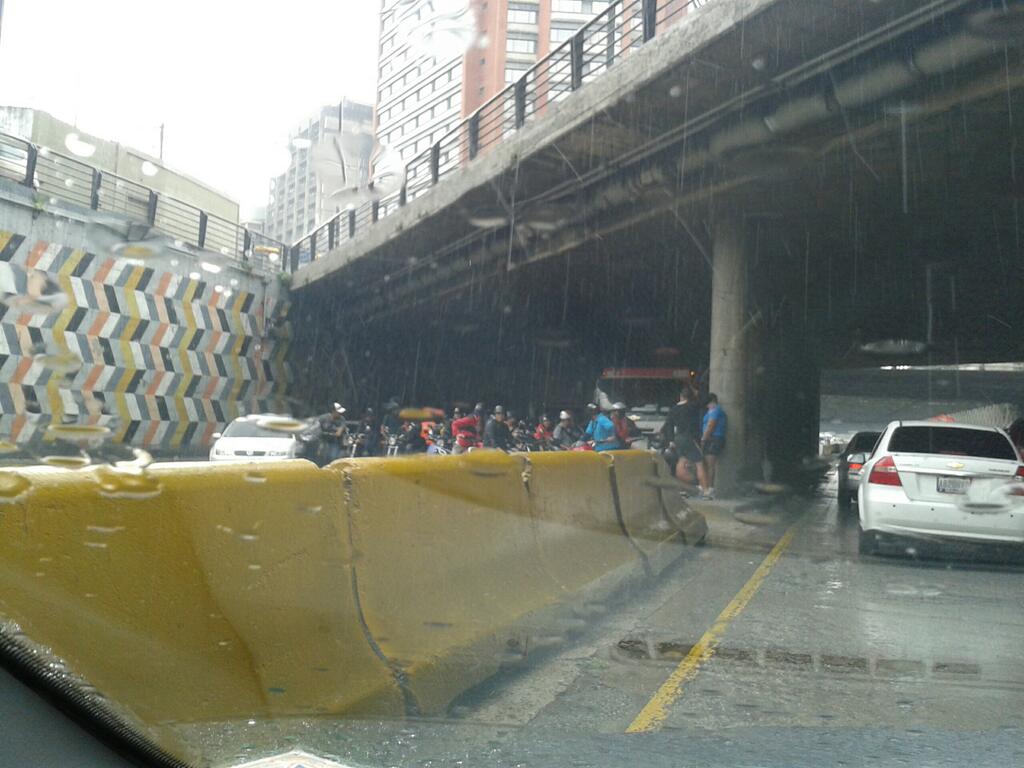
point(938, 480)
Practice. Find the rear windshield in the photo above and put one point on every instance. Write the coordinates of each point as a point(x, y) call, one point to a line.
point(949, 441)
point(862, 442)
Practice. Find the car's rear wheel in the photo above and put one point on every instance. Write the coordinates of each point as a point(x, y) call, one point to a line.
point(867, 542)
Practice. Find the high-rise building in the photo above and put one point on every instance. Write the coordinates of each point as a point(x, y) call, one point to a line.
point(301, 199)
point(420, 98)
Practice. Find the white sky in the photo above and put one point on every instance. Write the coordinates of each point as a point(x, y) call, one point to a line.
point(229, 78)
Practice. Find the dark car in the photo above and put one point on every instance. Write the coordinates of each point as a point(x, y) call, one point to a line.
point(849, 475)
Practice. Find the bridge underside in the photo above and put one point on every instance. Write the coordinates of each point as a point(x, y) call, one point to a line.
point(865, 163)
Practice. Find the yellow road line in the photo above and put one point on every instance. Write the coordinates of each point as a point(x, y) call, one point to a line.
point(654, 713)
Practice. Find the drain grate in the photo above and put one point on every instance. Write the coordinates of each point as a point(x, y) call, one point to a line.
point(651, 651)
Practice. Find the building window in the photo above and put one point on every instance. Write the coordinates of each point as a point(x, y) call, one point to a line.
point(521, 44)
point(561, 34)
point(512, 74)
point(567, 6)
point(519, 13)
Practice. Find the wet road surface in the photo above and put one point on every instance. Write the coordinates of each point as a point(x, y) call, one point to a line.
point(830, 656)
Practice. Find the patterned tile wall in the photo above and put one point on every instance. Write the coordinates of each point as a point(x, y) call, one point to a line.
point(166, 360)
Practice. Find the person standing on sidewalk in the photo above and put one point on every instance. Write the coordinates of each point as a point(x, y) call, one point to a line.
point(712, 442)
point(681, 432)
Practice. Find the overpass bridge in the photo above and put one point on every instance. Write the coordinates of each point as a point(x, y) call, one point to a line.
point(764, 187)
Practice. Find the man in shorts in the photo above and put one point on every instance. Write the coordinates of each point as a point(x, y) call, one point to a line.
point(682, 434)
point(712, 442)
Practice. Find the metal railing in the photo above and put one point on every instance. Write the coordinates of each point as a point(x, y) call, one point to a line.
point(599, 44)
point(56, 176)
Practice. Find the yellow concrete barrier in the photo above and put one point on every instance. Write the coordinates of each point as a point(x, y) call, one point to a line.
point(580, 537)
point(448, 573)
point(373, 587)
point(642, 507)
point(226, 594)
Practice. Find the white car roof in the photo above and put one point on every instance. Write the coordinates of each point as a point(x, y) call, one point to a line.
point(944, 424)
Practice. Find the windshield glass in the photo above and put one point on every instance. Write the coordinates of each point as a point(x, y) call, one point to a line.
point(954, 442)
point(641, 395)
point(252, 429)
point(315, 317)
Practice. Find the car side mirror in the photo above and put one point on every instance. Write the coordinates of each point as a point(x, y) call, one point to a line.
point(217, 435)
point(857, 458)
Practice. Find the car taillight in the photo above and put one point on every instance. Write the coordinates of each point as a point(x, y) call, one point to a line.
point(884, 472)
point(1020, 471)
point(856, 467)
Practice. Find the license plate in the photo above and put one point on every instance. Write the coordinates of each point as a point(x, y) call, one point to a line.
point(953, 484)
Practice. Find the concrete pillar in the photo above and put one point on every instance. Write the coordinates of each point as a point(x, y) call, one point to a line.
point(729, 364)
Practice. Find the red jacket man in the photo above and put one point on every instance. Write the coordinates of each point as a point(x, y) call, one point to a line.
point(469, 430)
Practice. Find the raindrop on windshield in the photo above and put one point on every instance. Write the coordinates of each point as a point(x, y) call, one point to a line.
point(60, 362)
point(13, 487)
point(77, 146)
point(73, 461)
point(31, 292)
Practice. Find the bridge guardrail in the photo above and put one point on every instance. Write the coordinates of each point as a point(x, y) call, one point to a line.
point(604, 40)
point(58, 176)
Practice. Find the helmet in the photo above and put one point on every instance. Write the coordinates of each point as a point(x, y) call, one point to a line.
point(545, 417)
point(564, 415)
point(368, 412)
point(499, 410)
point(591, 408)
point(619, 406)
point(338, 409)
point(479, 409)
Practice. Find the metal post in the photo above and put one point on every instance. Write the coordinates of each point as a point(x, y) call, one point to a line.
point(312, 245)
point(30, 165)
point(403, 195)
point(204, 221)
point(332, 228)
point(246, 238)
point(474, 134)
point(375, 211)
point(576, 60)
point(295, 257)
point(610, 43)
point(650, 11)
point(435, 163)
point(94, 193)
point(520, 102)
point(151, 208)
point(351, 224)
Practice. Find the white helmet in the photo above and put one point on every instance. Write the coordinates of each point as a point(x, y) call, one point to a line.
point(564, 415)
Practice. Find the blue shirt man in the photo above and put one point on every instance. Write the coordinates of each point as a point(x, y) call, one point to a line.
point(601, 430)
point(714, 413)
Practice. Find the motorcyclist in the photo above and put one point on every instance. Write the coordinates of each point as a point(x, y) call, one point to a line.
point(566, 433)
point(332, 433)
point(624, 428)
point(497, 433)
point(544, 434)
point(468, 430)
point(367, 436)
point(391, 424)
point(600, 431)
